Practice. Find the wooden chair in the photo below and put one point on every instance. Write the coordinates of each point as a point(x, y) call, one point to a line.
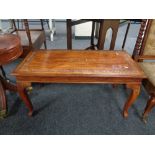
point(104, 26)
point(145, 50)
point(31, 39)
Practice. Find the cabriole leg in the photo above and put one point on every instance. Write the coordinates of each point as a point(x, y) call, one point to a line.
point(23, 94)
point(133, 96)
point(148, 108)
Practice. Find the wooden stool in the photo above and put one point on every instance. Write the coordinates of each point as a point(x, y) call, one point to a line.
point(10, 49)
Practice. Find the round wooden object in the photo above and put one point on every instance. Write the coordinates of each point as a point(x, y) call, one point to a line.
point(10, 48)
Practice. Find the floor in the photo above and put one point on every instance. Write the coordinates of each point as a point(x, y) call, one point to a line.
point(73, 109)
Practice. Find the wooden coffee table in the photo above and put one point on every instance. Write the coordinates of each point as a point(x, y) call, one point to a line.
point(64, 66)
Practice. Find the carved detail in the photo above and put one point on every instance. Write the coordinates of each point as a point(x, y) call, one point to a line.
point(139, 46)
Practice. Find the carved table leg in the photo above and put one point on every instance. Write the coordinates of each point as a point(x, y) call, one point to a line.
point(149, 106)
point(134, 94)
point(23, 94)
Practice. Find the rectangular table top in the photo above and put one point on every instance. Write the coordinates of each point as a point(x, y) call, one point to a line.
point(62, 63)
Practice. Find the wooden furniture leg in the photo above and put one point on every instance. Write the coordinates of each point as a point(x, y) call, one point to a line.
point(23, 94)
point(149, 106)
point(92, 36)
point(42, 26)
point(45, 45)
point(69, 34)
point(3, 104)
point(134, 94)
point(102, 34)
point(126, 33)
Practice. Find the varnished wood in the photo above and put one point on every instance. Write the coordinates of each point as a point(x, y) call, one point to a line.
point(145, 57)
point(10, 49)
point(23, 93)
point(141, 39)
point(149, 106)
point(64, 66)
point(79, 63)
point(144, 39)
point(133, 96)
point(3, 105)
point(142, 42)
point(104, 27)
point(138, 44)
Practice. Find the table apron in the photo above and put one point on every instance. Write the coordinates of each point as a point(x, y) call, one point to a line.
point(112, 80)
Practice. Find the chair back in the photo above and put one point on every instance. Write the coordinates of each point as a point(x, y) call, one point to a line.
point(145, 44)
point(104, 27)
point(149, 48)
point(31, 38)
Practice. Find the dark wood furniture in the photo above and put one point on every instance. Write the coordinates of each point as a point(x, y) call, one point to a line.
point(64, 66)
point(145, 50)
point(10, 49)
point(31, 39)
point(105, 24)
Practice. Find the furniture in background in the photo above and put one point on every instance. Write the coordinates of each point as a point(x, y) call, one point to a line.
point(105, 24)
point(73, 66)
point(128, 27)
point(31, 39)
point(145, 50)
point(50, 23)
point(10, 49)
point(52, 28)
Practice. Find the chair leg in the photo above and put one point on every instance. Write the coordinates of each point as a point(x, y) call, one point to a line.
point(149, 106)
point(69, 34)
point(92, 33)
point(126, 33)
point(92, 46)
point(45, 45)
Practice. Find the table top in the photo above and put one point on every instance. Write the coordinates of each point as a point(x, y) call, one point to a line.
point(53, 63)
